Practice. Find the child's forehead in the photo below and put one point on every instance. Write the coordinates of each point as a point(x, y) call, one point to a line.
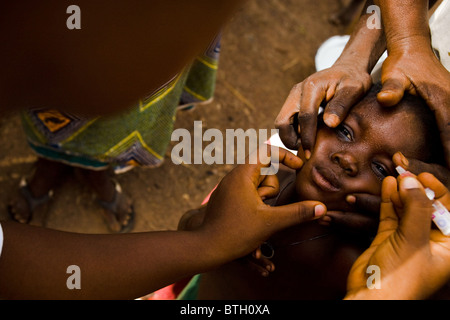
point(369, 110)
point(391, 127)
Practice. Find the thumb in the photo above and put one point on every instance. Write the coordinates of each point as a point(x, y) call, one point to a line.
point(416, 166)
point(392, 91)
point(416, 221)
point(295, 213)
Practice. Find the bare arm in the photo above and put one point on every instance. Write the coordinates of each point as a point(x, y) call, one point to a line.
point(34, 260)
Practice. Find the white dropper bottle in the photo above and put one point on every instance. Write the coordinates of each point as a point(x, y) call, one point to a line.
point(440, 216)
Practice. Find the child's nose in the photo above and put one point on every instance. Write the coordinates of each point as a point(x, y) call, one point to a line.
point(347, 162)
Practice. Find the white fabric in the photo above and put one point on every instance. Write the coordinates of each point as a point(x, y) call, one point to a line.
point(440, 37)
point(1, 239)
point(332, 48)
point(275, 140)
point(330, 51)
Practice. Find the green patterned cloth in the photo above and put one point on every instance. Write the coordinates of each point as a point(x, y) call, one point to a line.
point(138, 137)
point(190, 292)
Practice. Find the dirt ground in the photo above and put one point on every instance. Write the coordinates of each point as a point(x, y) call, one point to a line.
point(267, 47)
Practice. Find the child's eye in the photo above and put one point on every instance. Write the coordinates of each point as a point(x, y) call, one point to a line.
point(344, 132)
point(380, 171)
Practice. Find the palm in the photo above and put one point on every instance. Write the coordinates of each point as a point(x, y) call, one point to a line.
point(398, 257)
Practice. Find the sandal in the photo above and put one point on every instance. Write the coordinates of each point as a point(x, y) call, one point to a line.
point(113, 206)
point(32, 201)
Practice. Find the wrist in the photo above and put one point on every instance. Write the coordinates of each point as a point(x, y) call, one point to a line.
point(412, 44)
point(356, 62)
point(405, 24)
point(365, 47)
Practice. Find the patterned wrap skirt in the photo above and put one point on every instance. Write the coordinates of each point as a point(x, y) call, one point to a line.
point(137, 137)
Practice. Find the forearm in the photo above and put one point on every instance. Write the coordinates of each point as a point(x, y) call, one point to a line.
point(34, 262)
point(366, 45)
point(405, 24)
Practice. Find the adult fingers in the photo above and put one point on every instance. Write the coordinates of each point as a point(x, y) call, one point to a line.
point(388, 214)
point(352, 222)
point(269, 187)
point(312, 95)
point(441, 191)
point(392, 91)
point(265, 157)
point(415, 224)
point(292, 214)
point(286, 121)
point(416, 166)
point(364, 202)
point(344, 98)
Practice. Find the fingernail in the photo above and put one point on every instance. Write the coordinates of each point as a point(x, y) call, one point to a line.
point(410, 183)
point(403, 173)
point(404, 161)
point(307, 154)
point(350, 199)
point(319, 210)
point(331, 120)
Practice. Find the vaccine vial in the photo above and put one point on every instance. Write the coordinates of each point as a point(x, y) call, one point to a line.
point(441, 216)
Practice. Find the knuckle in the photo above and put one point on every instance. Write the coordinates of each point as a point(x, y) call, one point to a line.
point(279, 123)
point(352, 87)
point(284, 121)
point(420, 202)
point(297, 87)
point(304, 213)
point(336, 106)
point(310, 84)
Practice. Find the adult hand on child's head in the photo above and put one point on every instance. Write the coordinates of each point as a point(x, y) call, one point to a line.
point(413, 258)
point(341, 86)
point(419, 72)
point(416, 166)
point(236, 217)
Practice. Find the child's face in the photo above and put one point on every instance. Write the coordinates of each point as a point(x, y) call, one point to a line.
point(356, 156)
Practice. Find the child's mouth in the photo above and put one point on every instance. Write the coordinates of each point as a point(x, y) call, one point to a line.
point(325, 179)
